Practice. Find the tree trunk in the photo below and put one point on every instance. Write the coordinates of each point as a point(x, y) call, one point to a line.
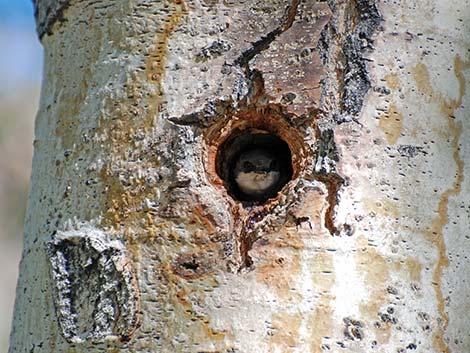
point(139, 236)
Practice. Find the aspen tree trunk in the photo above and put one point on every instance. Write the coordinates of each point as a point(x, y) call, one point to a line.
point(136, 238)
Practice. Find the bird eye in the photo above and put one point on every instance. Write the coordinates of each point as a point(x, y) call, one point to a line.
point(248, 166)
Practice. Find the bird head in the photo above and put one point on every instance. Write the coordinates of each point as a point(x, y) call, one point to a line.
point(257, 173)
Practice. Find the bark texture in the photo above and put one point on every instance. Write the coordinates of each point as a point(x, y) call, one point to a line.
point(134, 241)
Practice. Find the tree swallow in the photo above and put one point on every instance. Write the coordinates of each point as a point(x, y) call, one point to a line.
point(257, 174)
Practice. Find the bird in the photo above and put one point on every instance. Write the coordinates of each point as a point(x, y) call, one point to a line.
point(257, 174)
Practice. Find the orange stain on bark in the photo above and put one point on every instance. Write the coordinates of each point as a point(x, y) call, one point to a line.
point(156, 61)
point(122, 204)
point(392, 124)
point(284, 332)
point(392, 81)
point(454, 130)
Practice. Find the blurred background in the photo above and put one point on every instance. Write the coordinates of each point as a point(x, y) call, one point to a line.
point(20, 76)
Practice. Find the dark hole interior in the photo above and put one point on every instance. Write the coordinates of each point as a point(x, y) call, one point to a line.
point(193, 266)
point(254, 165)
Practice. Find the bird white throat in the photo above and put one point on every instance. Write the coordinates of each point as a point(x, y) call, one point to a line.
point(256, 183)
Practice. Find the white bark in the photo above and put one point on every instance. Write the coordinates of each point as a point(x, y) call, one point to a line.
point(132, 242)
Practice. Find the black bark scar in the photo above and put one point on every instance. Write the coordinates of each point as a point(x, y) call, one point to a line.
point(48, 13)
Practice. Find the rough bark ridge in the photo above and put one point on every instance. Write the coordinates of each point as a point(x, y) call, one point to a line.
point(139, 102)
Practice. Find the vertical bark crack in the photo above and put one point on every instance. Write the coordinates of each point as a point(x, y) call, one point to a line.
point(325, 171)
point(333, 182)
point(343, 46)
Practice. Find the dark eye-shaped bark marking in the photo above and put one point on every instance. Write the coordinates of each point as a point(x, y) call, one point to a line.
point(95, 288)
